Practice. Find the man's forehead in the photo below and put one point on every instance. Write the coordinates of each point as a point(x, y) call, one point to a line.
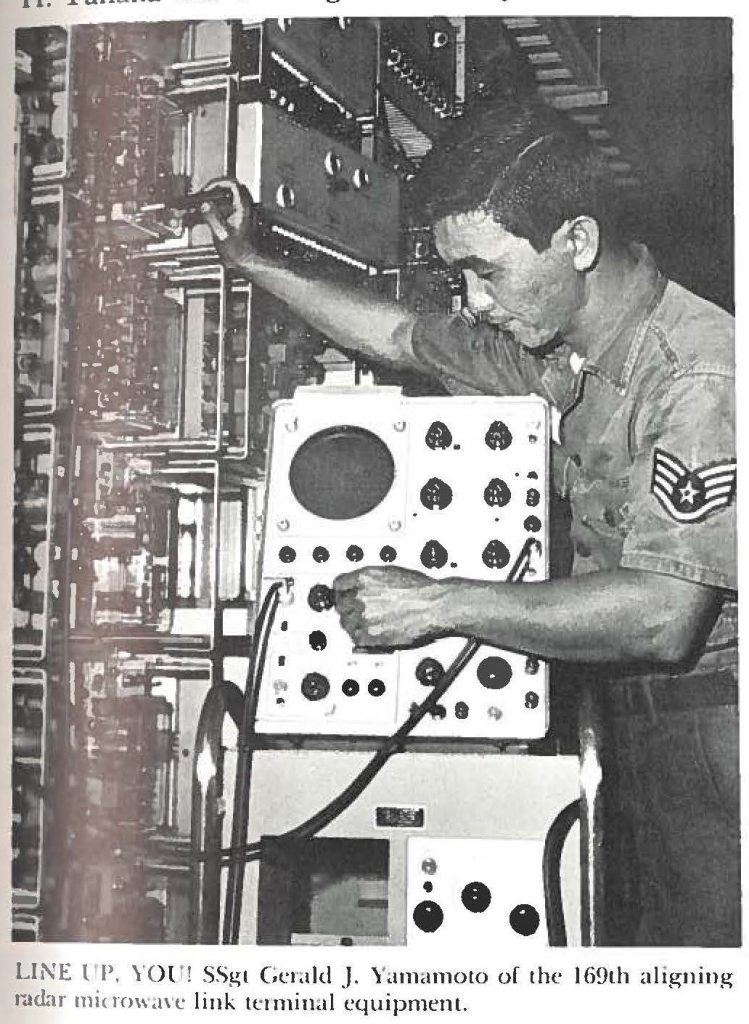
point(472, 241)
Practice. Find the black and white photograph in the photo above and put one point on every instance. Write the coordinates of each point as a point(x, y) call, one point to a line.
point(374, 473)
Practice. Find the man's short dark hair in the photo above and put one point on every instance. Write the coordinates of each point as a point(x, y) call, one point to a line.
point(527, 164)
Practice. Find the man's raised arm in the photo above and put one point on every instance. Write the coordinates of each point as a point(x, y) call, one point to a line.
point(349, 319)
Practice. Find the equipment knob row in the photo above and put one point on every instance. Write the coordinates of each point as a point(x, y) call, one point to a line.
point(498, 437)
point(354, 553)
point(436, 494)
point(493, 672)
point(316, 686)
point(494, 556)
point(476, 897)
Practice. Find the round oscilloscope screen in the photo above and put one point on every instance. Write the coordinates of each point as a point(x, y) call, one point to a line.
point(341, 473)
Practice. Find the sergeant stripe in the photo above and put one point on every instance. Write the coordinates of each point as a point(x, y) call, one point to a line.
point(669, 461)
point(665, 498)
point(724, 467)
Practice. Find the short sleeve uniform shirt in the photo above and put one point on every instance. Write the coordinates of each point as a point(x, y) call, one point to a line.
point(647, 440)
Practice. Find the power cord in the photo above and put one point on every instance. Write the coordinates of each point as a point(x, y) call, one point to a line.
point(245, 751)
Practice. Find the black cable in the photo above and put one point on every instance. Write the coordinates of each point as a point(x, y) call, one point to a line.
point(552, 868)
point(239, 854)
point(332, 810)
point(245, 750)
point(336, 807)
point(391, 746)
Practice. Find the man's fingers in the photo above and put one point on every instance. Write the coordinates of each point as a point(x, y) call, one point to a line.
point(241, 203)
point(214, 222)
point(346, 582)
point(347, 605)
point(234, 218)
point(351, 620)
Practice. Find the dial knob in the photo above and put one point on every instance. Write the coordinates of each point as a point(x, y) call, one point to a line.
point(438, 436)
point(433, 555)
point(315, 686)
point(498, 436)
point(436, 494)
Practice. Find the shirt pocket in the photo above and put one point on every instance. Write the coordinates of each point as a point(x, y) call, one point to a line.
point(599, 492)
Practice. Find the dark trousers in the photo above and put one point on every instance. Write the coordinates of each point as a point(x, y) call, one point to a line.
point(671, 839)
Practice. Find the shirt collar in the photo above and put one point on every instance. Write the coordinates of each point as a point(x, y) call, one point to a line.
point(615, 352)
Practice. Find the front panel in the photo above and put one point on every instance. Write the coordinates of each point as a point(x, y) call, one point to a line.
point(448, 487)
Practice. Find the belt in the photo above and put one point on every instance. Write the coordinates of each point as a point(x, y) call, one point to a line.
point(648, 697)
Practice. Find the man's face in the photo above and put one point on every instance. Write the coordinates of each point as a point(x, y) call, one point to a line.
point(530, 295)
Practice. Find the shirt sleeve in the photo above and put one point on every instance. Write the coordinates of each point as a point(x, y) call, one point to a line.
point(683, 485)
point(477, 360)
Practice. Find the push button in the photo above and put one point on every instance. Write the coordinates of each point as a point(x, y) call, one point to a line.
point(524, 919)
point(476, 897)
point(494, 673)
point(428, 916)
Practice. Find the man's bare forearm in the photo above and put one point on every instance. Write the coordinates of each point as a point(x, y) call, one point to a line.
point(604, 617)
point(348, 318)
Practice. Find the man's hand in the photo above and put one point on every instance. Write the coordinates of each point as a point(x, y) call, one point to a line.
point(388, 607)
point(231, 232)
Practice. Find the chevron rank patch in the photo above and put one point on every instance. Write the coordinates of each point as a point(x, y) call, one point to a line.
point(690, 495)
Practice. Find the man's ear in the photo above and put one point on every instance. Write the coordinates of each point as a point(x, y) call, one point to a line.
point(581, 237)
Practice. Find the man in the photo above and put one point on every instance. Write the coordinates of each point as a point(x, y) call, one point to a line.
point(641, 371)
